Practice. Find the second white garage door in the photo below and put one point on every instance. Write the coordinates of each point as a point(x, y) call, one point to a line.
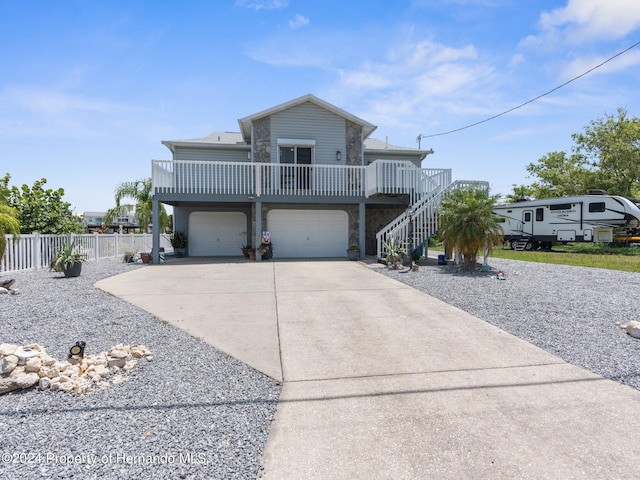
point(213, 234)
point(308, 233)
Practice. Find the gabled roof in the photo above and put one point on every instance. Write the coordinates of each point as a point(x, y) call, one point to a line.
point(245, 123)
point(228, 139)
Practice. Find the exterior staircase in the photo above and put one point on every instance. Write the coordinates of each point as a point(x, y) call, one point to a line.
point(419, 222)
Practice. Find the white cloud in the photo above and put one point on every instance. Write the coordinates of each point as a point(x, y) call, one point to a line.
point(589, 21)
point(262, 4)
point(44, 101)
point(298, 21)
point(583, 64)
point(517, 59)
point(40, 112)
point(417, 83)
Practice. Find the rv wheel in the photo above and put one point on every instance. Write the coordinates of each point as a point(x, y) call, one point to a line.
point(529, 246)
point(514, 244)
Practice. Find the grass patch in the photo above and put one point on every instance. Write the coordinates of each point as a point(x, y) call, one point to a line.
point(626, 259)
point(611, 257)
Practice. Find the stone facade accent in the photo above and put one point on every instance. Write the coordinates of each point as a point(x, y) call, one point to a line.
point(262, 140)
point(77, 375)
point(354, 143)
point(376, 219)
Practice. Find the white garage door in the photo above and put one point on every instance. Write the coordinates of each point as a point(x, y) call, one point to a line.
point(308, 233)
point(216, 234)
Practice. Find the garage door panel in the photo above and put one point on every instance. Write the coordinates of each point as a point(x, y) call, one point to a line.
point(215, 233)
point(308, 233)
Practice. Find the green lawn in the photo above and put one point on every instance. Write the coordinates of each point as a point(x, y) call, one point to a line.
point(582, 255)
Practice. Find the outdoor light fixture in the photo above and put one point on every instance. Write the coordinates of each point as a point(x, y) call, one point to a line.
point(338, 156)
point(248, 155)
point(77, 350)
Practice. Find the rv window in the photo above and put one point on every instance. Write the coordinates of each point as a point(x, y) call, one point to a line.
point(560, 206)
point(527, 216)
point(501, 220)
point(596, 207)
point(539, 214)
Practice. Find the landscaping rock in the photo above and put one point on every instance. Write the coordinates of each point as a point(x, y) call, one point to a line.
point(8, 364)
point(632, 328)
point(79, 375)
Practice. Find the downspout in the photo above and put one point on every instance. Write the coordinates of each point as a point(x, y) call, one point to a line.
point(155, 242)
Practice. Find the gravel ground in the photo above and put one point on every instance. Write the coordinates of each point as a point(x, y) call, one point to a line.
point(192, 412)
point(567, 311)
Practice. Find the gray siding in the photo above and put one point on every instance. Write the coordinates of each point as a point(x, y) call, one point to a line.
point(370, 157)
point(218, 155)
point(310, 122)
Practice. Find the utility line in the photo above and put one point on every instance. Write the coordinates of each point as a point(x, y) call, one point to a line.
point(533, 99)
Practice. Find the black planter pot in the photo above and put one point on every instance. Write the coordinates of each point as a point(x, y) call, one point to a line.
point(353, 254)
point(74, 270)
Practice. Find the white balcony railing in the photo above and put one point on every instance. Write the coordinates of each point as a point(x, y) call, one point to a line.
point(243, 178)
point(260, 179)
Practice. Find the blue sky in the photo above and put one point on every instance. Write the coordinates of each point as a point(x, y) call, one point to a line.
point(89, 89)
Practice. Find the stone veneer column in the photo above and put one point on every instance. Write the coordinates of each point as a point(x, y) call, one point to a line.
point(262, 140)
point(354, 143)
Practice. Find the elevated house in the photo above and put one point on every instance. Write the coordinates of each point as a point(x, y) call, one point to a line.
point(94, 221)
point(308, 173)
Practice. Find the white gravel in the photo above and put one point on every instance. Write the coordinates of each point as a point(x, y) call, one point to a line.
point(568, 311)
point(196, 413)
point(192, 412)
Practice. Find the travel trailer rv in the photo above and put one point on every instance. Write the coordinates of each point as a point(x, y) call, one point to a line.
point(534, 224)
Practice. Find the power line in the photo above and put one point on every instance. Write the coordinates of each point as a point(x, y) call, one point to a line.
point(533, 99)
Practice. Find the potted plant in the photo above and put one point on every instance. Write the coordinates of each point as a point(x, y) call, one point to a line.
point(246, 250)
point(179, 243)
point(394, 253)
point(353, 252)
point(68, 261)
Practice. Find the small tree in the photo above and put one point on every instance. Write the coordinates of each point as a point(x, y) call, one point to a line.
point(42, 210)
point(468, 224)
point(141, 192)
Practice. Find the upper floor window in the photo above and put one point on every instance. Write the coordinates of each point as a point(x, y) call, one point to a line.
point(295, 155)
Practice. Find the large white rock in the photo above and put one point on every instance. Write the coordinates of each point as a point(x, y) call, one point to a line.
point(18, 379)
point(49, 372)
point(633, 328)
point(33, 364)
point(8, 364)
point(7, 349)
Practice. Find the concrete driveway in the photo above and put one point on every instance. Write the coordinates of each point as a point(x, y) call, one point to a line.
point(383, 381)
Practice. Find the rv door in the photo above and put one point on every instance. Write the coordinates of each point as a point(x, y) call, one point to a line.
point(527, 222)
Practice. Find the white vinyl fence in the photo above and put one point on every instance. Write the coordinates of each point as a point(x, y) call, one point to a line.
point(35, 251)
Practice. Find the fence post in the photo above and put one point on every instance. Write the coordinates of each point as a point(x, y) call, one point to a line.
point(35, 251)
point(117, 241)
point(96, 248)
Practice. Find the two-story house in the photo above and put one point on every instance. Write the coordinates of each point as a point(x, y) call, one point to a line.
point(305, 171)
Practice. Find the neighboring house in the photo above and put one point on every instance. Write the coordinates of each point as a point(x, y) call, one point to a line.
point(305, 171)
point(94, 221)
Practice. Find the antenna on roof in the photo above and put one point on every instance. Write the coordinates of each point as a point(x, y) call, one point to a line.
point(420, 137)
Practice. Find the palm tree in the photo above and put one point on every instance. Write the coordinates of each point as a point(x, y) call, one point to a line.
point(140, 191)
point(9, 225)
point(468, 224)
